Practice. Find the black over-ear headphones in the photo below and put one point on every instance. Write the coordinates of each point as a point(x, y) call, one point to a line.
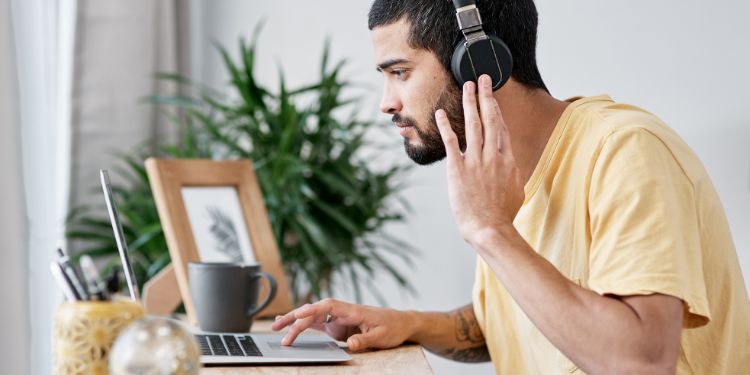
point(479, 53)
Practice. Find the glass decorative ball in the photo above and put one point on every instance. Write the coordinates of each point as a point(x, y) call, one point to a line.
point(155, 346)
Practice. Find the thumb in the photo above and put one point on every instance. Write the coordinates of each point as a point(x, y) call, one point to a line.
point(360, 341)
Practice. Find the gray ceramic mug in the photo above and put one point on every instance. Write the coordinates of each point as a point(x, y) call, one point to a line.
point(225, 295)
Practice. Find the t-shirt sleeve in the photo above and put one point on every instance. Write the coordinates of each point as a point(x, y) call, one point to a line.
point(644, 224)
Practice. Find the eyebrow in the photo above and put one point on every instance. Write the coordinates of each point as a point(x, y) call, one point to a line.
point(388, 63)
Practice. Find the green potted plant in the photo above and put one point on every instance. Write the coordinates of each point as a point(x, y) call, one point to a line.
point(327, 206)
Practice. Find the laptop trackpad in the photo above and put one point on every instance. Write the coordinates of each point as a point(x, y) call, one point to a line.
point(303, 347)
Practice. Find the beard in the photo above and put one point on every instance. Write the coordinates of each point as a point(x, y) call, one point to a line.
point(432, 148)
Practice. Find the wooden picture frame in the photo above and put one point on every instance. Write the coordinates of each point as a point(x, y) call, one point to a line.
point(171, 179)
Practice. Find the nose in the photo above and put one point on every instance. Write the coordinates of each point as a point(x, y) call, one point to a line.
point(390, 102)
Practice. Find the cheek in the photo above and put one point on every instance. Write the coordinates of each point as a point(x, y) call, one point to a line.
point(425, 98)
point(420, 95)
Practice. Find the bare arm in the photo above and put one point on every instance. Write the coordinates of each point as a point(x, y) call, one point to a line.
point(601, 334)
point(453, 335)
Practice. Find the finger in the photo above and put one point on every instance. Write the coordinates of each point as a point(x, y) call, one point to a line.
point(490, 114)
point(362, 341)
point(450, 140)
point(318, 326)
point(317, 311)
point(295, 329)
point(320, 310)
point(323, 307)
point(340, 312)
point(472, 122)
point(284, 320)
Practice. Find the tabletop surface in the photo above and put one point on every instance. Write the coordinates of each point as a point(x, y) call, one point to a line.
point(405, 359)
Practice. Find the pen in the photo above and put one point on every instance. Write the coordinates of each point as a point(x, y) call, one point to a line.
point(94, 282)
point(72, 274)
point(63, 282)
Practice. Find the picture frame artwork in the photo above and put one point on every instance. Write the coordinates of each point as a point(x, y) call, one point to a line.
point(213, 211)
point(215, 217)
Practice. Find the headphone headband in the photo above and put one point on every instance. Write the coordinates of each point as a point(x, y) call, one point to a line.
point(462, 3)
point(469, 20)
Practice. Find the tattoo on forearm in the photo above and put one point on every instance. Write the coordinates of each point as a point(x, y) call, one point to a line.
point(476, 354)
point(468, 332)
point(467, 328)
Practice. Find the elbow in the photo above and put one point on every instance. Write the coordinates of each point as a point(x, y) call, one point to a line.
point(658, 358)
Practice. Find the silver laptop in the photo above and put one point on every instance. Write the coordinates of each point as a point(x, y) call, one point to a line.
point(232, 348)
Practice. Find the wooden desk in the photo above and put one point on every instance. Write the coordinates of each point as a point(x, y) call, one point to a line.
point(406, 359)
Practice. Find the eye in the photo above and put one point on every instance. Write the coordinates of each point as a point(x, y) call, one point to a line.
point(399, 73)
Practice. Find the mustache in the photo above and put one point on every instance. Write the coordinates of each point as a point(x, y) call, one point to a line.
point(398, 119)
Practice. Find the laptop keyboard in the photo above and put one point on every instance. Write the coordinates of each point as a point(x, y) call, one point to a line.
point(228, 345)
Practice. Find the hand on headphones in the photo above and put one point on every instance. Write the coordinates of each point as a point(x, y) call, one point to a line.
point(484, 183)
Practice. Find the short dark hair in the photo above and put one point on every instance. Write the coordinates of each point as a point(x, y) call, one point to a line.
point(434, 28)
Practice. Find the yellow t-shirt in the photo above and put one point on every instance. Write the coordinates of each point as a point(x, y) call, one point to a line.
point(621, 205)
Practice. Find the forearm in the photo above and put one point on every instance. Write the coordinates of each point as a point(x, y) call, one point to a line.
point(596, 332)
point(454, 335)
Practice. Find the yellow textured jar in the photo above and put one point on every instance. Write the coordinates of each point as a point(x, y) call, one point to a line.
point(85, 331)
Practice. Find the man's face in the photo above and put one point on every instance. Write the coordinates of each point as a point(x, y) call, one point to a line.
point(416, 85)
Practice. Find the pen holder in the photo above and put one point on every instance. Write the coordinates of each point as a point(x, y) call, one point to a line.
point(85, 331)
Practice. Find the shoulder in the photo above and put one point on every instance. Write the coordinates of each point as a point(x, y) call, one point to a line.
point(604, 115)
point(627, 129)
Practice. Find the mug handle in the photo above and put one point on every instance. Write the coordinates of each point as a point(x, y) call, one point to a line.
point(271, 293)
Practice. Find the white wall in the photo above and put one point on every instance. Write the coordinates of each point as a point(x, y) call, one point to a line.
point(683, 60)
point(686, 61)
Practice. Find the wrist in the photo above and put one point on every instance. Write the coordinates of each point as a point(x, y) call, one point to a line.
point(490, 239)
point(413, 325)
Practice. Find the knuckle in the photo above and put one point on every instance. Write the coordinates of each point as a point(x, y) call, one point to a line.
point(492, 155)
point(329, 304)
point(294, 329)
point(301, 325)
point(449, 139)
point(507, 162)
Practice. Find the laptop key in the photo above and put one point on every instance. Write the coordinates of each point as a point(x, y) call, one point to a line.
point(233, 346)
point(217, 346)
point(203, 344)
point(249, 346)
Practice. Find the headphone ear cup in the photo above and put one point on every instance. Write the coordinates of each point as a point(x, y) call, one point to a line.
point(462, 68)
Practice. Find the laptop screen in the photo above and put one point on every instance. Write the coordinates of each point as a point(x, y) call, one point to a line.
point(122, 246)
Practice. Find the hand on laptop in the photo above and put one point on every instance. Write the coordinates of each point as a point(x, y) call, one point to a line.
point(362, 327)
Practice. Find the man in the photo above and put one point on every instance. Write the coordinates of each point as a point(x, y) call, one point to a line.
point(602, 244)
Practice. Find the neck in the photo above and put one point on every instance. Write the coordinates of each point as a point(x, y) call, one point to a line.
point(531, 116)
